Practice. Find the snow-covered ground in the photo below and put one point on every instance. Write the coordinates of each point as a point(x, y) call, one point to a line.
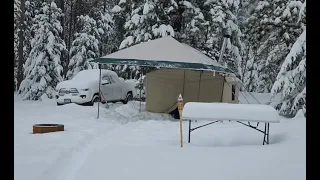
point(125, 144)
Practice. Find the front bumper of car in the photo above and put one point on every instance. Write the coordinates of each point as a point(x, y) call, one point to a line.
point(80, 97)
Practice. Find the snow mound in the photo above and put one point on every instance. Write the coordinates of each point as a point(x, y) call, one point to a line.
point(299, 115)
point(131, 111)
point(256, 98)
point(44, 97)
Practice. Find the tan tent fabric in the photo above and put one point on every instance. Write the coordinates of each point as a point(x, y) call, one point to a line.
point(162, 89)
point(211, 87)
point(164, 85)
point(227, 92)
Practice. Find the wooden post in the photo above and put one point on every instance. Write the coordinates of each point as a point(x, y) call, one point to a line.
point(99, 65)
point(180, 108)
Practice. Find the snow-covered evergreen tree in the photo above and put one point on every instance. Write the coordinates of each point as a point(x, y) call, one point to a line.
point(143, 20)
point(221, 17)
point(85, 47)
point(29, 15)
point(250, 74)
point(105, 25)
point(147, 22)
point(16, 15)
point(121, 12)
point(291, 80)
point(270, 30)
point(189, 24)
point(43, 68)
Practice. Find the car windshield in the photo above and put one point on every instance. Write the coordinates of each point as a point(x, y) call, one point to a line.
point(86, 75)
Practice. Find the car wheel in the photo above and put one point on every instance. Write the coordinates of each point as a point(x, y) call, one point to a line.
point(95, 99)
point(128, 98)
point(58, 104)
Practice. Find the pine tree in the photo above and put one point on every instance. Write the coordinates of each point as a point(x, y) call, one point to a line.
point(29, 15)
point(221, 18)
point(147, 22)
point(16, 39)
point(85, 47)
point(121, 12)
point(250, 74)
point(43, 68)
point(291, 80)
point(21, 27)
point(270, 30)
point(189, 23)
point(23, 14)
point(143, 21)
point(105, 25)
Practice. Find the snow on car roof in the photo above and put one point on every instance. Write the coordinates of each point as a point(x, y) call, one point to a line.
point(92, 74)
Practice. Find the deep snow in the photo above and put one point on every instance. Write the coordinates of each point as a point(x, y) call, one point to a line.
point(126, 144)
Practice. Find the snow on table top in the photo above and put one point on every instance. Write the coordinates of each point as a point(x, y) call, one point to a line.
point(232, 112)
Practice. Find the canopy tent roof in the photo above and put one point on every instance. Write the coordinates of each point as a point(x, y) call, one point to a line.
point(164, 52)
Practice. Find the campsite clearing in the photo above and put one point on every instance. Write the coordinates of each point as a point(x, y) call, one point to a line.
point(125, 144)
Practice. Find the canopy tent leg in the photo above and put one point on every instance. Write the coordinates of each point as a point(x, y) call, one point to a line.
point(99, 91)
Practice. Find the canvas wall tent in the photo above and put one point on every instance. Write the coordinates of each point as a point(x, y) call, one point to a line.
point(164, 85)
point(183, 70)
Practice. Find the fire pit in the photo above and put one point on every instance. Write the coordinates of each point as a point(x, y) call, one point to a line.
point(47, 128)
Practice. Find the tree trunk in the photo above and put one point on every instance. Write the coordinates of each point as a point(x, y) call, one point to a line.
point(63, 24)
point(21, 59)
point(104, 6)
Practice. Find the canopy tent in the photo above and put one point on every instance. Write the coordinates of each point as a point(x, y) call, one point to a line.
point(164, 52)
point(183, 70)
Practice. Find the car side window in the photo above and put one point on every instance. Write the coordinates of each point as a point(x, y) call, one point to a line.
point(106, 78)
point(112, 79)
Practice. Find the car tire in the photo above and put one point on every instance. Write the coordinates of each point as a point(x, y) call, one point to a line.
point(128, 98)
point(58, 104)
point(95, 99)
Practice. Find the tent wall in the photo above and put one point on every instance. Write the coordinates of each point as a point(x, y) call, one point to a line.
point(164, 85)
point(227, 91)
point(211, 87)
point(162, 89)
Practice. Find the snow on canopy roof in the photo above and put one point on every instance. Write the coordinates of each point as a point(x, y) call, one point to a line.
point(163, 52)
point(232, 112)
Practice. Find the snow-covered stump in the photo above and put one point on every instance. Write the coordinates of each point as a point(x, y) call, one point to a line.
point(47, 128)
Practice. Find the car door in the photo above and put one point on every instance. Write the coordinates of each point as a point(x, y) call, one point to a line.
point(106, 88)
point(117, 90)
